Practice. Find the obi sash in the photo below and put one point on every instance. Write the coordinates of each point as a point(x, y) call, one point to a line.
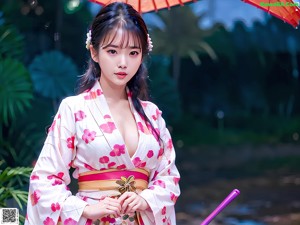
point(114, 179)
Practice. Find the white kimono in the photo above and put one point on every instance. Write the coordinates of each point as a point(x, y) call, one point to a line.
point(83, 136)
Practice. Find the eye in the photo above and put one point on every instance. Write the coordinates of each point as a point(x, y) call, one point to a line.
point(134, 53)
point(112, 51)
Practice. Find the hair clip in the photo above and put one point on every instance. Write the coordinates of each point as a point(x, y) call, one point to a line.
point(150, 44)
point(88, 39)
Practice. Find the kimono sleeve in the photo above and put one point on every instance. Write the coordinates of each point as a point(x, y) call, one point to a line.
point(50, 202)
point(163, 188)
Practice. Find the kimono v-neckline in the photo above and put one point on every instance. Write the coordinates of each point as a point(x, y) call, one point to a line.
point(103, 108)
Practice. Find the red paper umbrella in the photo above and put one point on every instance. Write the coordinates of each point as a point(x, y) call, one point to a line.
point(143, 6)
point(286, 10)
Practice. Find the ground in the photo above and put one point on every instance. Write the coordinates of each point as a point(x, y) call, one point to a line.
point(268, 177)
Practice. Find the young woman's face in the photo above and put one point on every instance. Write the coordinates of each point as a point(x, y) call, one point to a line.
point(119, 58)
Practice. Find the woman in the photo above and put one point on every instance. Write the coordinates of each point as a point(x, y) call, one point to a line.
point(119, 145)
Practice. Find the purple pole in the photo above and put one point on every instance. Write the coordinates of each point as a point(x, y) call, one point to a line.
point(220, 207)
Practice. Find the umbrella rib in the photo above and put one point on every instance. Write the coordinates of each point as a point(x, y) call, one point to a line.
point(168, 5)
point(143, 6)
point(154, 4)
point(140, 7)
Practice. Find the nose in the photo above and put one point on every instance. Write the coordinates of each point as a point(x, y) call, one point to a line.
point(122, 61)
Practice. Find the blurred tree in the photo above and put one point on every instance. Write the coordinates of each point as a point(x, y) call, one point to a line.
point(163, 89)
point(250, 71)
point(15, 96)
point(221, 41)
point(181, 37)
point(282, 81)
point(49, 24)
point(15, 86)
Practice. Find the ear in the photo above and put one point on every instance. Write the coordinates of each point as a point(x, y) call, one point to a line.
point(94, 53)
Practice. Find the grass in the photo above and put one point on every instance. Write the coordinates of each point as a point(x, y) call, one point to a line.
point(236, 130)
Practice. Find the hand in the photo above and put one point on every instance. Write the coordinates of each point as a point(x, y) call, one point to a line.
point(105, 207)
point(131, 202)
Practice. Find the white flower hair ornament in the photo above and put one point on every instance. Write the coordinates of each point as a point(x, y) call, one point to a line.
point(88, 39)
point(150, 44)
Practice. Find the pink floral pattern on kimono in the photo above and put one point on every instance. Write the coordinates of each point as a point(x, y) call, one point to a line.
point(84, 136)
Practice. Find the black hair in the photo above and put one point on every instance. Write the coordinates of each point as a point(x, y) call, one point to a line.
point(110, 18)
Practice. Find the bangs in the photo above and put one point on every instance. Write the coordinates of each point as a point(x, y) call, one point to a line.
point(122, 37)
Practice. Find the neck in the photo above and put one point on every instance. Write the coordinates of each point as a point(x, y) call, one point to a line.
point(113, 93)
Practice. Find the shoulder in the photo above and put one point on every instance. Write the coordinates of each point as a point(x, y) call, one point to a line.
point(72, 102)
point(151, 110)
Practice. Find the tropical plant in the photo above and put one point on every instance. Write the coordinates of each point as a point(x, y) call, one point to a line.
point(20, 143)
point(15, 89)
point(11, 42)
point(12, 181)
point(15, 86)
point(221, 41)
point(181, 37)
point(53, 75)
point(15, 96)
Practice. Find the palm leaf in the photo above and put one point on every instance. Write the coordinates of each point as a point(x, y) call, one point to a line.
point(53, 74)
point(9, 177)
point(15, 89)
point(11, 42)
point(12, 180)
point(181, 33)
point(181, 37)
point(20, 143)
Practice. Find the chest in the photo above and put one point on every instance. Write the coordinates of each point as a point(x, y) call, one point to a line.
point(127, 126)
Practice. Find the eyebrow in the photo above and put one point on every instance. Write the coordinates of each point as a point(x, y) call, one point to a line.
point(117, 46)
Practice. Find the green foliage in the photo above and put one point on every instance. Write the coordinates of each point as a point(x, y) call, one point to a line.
point(15, 96)
point(221, 41)
point(53, 75)
point(236, 130)
point(178, 40)
point(177, 37)
point(20, 143)
point(12, 181)
point(11, 42)
point(15, 89)
point(163, 89)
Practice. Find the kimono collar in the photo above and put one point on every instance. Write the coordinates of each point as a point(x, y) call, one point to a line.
point(97, 103)
point(97, 91)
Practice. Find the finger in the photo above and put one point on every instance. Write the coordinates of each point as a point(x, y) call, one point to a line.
point(112, 199)
point(116, 207)
point(135, 204)
point(123, 197)
point(130, 206)
point(126, 202)
point(112, 210)
point(112, 202)
point(136, 207)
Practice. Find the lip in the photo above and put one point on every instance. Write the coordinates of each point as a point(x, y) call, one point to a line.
point(121, 73)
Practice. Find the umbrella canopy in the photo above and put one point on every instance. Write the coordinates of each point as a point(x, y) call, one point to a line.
point(143, 6)
point(286, 10)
